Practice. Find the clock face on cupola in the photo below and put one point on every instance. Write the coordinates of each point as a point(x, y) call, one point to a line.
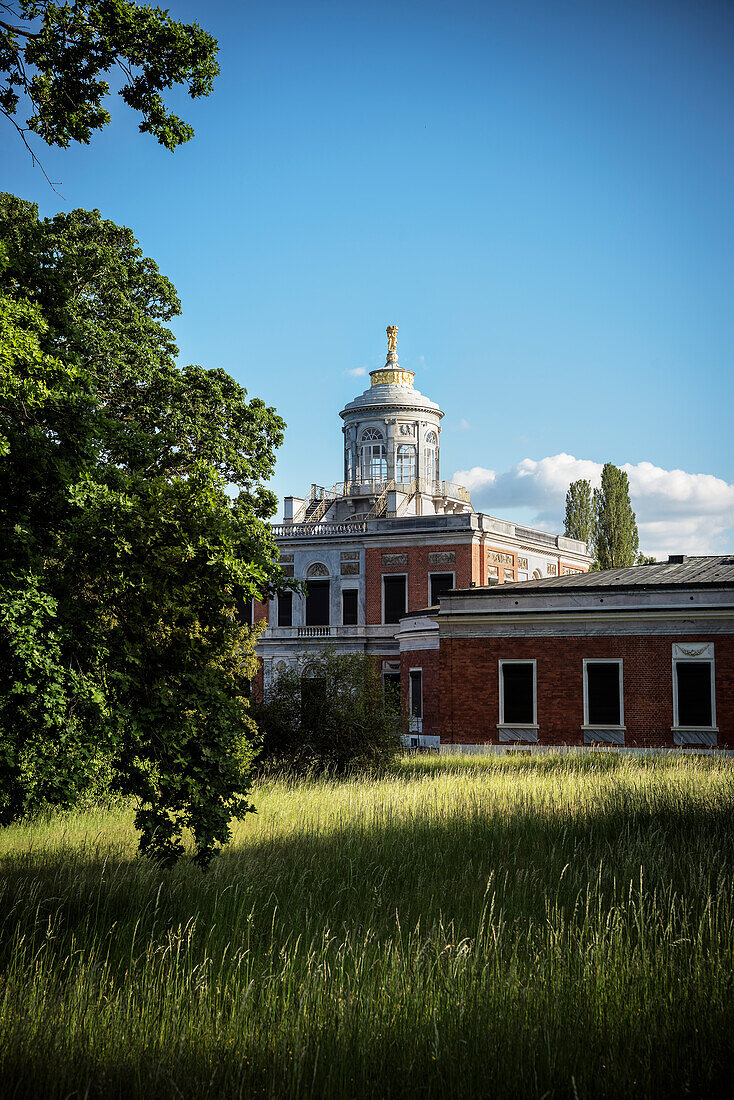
point(391, 430)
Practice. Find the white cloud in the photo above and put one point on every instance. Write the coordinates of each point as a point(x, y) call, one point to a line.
point(677, 512)
point(356, 372)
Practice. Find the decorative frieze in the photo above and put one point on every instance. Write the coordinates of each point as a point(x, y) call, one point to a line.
point(693, 649)
point(569, 572)
point(522, 563)
point(501, 559)
point(493, 571)
point(317, 570)
point(287, 570)
point(395, 561)
point(552, 570)
point(286, 557)
point(350, 568)
point(350, 555)
point(441, 557)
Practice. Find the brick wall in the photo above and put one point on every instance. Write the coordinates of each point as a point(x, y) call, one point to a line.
point(427, 660)
point(469, 685)
point(417, 570)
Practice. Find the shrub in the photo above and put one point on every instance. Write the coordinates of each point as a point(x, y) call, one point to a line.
point(330, 712)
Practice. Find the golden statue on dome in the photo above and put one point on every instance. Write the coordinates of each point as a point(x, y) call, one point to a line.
point(391, 374)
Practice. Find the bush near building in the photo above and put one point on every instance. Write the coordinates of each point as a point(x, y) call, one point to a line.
point(330, 712)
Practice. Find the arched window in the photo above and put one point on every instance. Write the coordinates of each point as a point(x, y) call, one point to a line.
point(431, 458)
point(405, 463)
point(373, 455)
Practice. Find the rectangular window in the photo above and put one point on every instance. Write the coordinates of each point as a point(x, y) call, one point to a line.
point(317, 603)
point(440, 583)
point(395, 604)
point(244, 611)
point(518, 705)
point(694, 694)
point(416, 693)
point(285, 609)
point(349, 607)
point(391, 688)
point(603, 703)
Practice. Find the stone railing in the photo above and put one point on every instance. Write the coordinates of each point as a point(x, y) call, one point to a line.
point(531, 535)
point(314, 631)
point(314, 530)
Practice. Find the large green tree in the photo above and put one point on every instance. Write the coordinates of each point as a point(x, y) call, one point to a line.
point(54, 58)
point(132, 520)
point(615, 524)
point(579, 519)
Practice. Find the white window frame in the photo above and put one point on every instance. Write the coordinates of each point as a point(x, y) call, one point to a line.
point(518, 725)
point(440, 573)
point(603, 661)
point(407, 598)
point(415, 722)
point(701, 660)
point(403, 452)
point(369, 461)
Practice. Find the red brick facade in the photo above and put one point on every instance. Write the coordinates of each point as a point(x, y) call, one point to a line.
point(417, 570)
point(469, 685)
point(428, 661)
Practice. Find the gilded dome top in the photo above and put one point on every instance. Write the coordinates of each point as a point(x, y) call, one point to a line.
point(391, 386)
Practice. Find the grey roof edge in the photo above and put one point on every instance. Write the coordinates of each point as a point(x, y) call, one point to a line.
point(712, 571)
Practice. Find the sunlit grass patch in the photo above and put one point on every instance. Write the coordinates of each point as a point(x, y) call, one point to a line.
point(556, 925)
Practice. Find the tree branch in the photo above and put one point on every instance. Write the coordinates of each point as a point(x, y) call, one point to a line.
point(34, 159)
point(18, 30)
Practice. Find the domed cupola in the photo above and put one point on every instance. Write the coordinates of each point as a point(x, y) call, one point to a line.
point(391, 430)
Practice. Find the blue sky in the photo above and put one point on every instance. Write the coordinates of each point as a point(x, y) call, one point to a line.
point(538, 193)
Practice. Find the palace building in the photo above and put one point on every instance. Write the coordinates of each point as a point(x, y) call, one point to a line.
point(392, 538)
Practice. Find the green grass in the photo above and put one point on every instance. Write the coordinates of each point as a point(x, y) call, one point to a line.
point(555, 926)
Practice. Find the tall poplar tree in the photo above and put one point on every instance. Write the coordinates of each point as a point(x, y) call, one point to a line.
point(615, 524)
point(579, 512)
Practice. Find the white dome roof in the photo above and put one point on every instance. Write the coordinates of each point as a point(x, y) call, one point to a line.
point(391, 395)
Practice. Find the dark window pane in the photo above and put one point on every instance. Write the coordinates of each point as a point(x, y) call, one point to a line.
point(440, 583)
point(349, 607)
point(394, 599)
point(694, 693)
point(285, 609)
point(391, 684)
point(244, 610)
point(518, 694)
point(416, 693)
point(317, 603)
point(602, 682)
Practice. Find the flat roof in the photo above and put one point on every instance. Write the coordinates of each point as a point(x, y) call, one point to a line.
point(704, 571)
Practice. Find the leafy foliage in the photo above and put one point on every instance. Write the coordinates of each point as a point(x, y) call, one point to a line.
point(615, 524)
point(122, 551)
point(330, 713)
point(579, 512)
point(57, 54)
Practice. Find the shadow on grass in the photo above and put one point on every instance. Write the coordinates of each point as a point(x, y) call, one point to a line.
point(360, 874)
point(288, 904)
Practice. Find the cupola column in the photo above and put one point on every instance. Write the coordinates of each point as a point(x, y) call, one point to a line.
point(390, 426)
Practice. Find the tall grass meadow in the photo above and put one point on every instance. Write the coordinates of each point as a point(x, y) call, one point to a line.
point(465, 927)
